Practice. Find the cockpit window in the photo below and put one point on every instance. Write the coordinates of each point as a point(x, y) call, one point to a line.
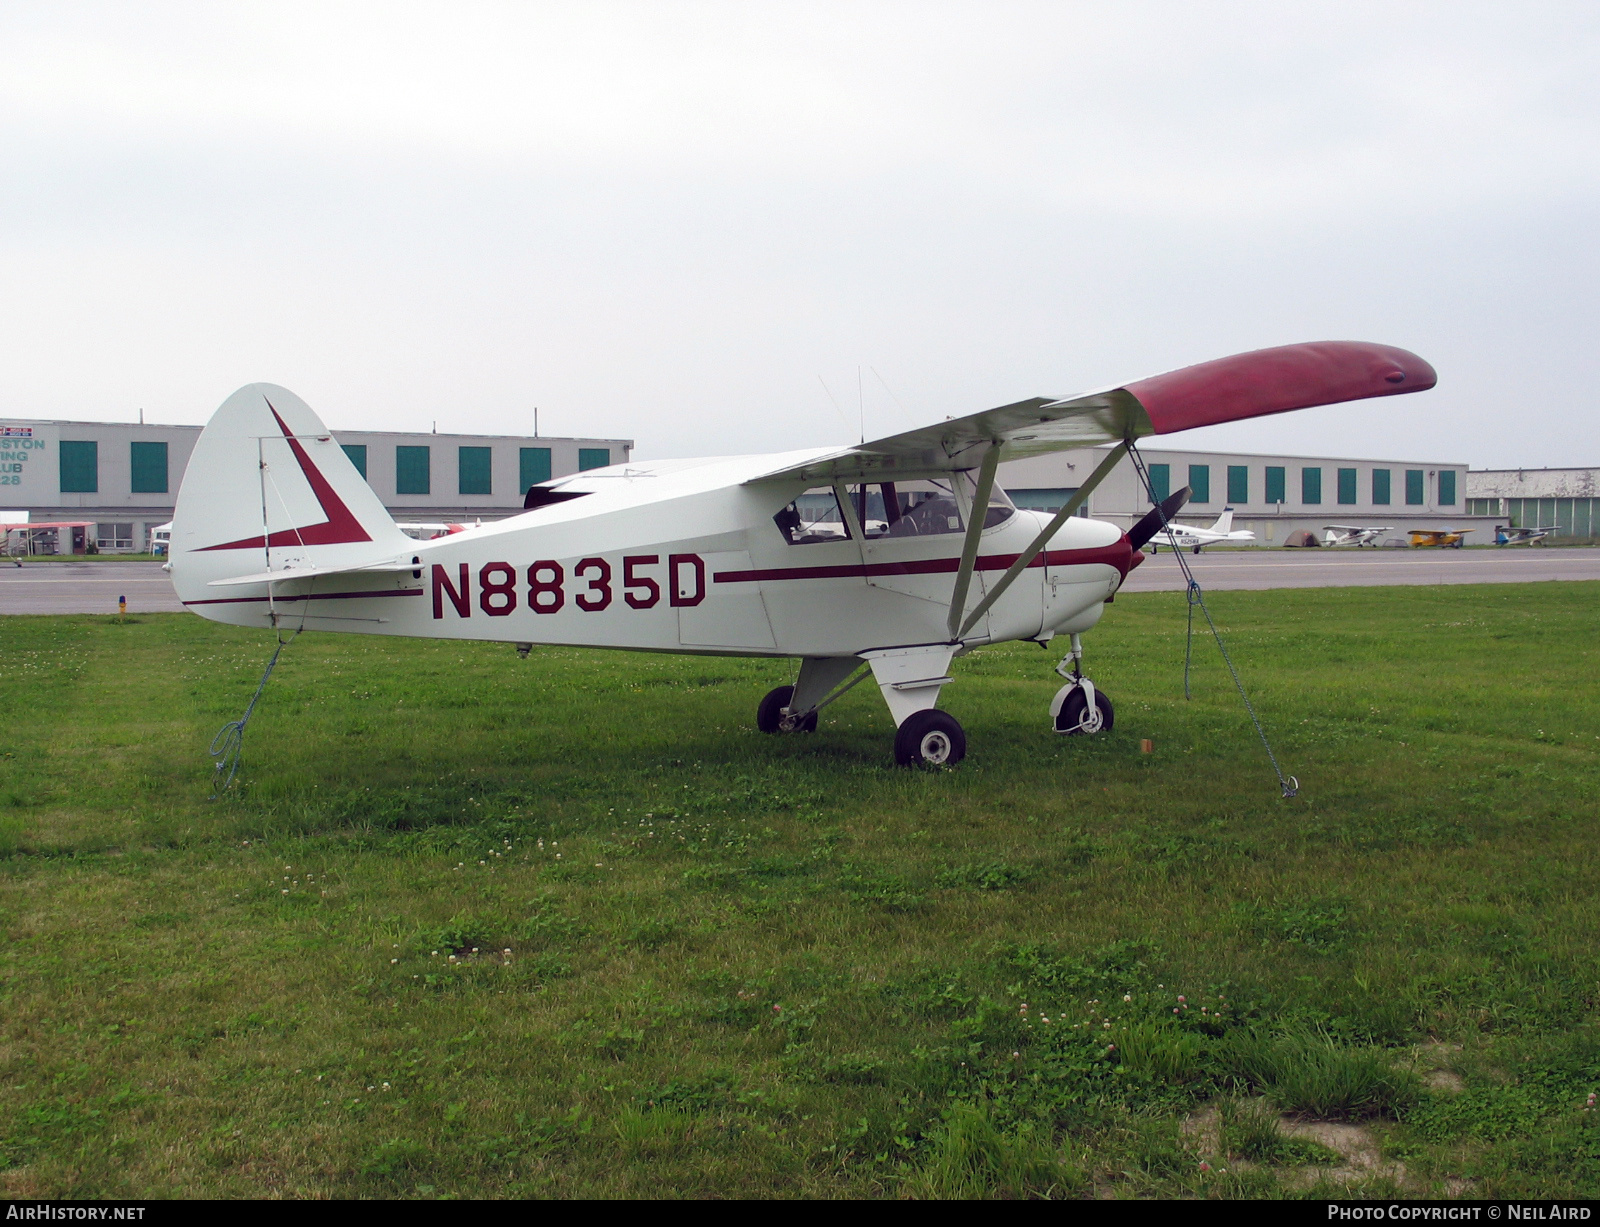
point(921, 508)
point(812, 518)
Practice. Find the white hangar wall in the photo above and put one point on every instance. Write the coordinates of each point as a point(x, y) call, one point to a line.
point(1567, 500)
point(124, 476)
point(1272, 496)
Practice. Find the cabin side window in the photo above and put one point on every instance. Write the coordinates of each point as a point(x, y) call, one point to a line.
point(921, 508)
point(813, 518)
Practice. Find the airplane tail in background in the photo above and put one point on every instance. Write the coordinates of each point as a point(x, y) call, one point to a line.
point(1224, 524)
point(268, 488)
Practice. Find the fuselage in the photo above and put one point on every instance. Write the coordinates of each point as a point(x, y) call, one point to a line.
point(681, 556)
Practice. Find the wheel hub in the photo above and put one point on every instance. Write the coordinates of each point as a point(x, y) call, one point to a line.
point(935, 747)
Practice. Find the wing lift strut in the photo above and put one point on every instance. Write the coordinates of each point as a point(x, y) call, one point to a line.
point(959, 629)
point(824, 679)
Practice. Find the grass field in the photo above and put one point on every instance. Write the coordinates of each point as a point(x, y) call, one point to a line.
point(568, 926)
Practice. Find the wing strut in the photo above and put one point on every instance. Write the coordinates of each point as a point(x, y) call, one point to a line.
point(1049, 530)
point(976, 515)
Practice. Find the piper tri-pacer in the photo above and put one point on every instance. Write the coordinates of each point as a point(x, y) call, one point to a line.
point(1352, 534)
point(890, 558)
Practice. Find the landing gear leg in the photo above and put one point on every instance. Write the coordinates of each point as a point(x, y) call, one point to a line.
point(793, 709)
point(1079, 708)
point(910, 680)
point(773, 714)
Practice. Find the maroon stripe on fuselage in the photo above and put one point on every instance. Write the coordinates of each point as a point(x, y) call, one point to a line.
point(314, 596)
point(1118, 555)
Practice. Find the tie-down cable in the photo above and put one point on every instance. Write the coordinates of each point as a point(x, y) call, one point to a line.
point(1196, 598)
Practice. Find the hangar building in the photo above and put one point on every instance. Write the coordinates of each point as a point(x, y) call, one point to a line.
point(123, 477)
point(1566, 499)
point(1272, 496)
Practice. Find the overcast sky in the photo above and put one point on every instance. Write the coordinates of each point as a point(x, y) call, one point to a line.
point(688, 224)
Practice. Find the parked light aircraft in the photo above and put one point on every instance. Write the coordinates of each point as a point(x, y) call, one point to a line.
point(1351, 534)
point(1506, 535)
point(1193, 537)
point(1444, 538)
point(886, 559)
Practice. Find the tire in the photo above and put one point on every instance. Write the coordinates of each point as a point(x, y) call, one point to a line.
point(930, 738)
point(770, 717)
point(1070, 718)
point(1197, 551)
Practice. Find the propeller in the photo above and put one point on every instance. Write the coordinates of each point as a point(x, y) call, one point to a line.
point(1158, 517)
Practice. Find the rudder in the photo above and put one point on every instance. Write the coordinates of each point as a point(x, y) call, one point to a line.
point(268, 487)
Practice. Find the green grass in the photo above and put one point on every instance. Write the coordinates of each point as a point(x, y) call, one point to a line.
point(756, 966)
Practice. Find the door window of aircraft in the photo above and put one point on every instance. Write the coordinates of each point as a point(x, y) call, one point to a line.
point(812, 518)
point(920, 509)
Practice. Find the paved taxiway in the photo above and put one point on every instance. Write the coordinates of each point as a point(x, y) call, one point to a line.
point(93, 587)
point(1355, 568)
point(85, 587)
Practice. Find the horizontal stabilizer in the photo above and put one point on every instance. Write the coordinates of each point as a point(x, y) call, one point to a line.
point(288, 573)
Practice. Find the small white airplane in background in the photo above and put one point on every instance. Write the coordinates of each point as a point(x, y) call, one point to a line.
point(888, 559)
point(1352, 534)
point(1192, 537)
point(1506, 535)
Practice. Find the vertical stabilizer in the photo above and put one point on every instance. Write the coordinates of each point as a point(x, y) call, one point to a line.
point(268, 488)
point(1224, 524)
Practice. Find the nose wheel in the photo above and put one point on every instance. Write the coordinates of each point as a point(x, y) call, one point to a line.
point(773, 715)
point(1080, 708)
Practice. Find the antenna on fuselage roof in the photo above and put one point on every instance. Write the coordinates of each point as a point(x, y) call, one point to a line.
point(861, 405)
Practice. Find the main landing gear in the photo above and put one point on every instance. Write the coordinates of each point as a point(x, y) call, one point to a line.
point(774, 716)
point(909, 679)
point(930, 738)
point(1079, 708)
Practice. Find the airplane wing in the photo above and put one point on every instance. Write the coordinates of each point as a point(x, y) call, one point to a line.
point(1227, 390)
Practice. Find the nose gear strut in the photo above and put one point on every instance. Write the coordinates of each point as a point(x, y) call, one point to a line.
point(1078, 707)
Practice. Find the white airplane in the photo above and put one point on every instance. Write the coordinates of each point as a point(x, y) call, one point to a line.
point(1193, 537)
point(1351, 534)
point(858, 561)
point(1506, 535)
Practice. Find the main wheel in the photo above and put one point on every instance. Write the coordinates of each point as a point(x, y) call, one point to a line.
point(930, 738)
point(1197, 551)
point(1070, 719)
point(770, 717)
